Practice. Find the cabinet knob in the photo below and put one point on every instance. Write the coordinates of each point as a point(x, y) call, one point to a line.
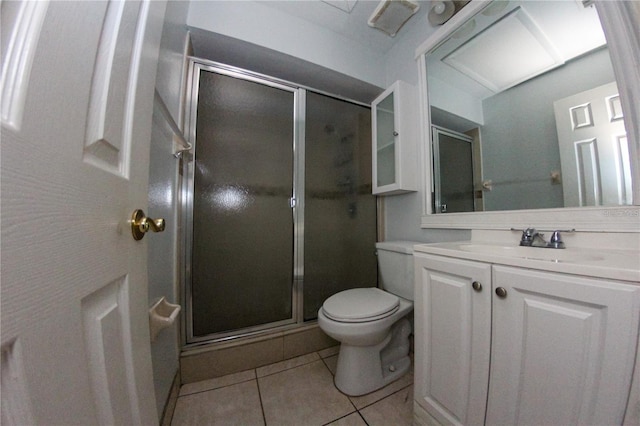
point(476, 286)
point(501, 292)
point(395, 133)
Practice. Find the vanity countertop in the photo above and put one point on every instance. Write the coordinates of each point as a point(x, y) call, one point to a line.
point(607, 263)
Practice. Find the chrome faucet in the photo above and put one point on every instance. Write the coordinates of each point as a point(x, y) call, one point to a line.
point(532, 238)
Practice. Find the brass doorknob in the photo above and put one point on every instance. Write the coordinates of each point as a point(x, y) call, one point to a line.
point(141, 224)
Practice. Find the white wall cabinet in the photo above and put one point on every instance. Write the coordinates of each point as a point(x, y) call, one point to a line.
point(394, 123)
point(528, 347)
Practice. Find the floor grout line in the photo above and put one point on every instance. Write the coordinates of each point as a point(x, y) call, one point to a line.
point(264, 417)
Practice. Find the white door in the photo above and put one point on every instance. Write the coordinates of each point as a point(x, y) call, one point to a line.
point(594, 152)
point(77, 82)
point(453, 334)
point(563, 349)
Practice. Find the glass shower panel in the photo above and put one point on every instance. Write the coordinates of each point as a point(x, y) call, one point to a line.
point(242, 254)
point(340, 212)
point(456, 173)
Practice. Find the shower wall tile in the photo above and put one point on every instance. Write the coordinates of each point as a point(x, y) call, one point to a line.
point(216, 363)
point(304, 342)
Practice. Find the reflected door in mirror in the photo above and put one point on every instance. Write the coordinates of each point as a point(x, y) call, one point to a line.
point(593, 148)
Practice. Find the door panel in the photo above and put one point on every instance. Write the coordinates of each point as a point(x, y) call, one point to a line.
point(75, 331)
point(108, 134)
point(107, 345)
point(242, 251)
point(339, 210)
point(562, 349)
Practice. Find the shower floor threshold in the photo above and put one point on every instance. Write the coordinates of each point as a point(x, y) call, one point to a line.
point(216, 359)
point(247, 335)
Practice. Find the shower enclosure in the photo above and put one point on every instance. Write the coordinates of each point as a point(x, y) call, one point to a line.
point(278, 212)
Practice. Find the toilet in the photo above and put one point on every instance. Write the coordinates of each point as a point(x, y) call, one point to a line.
point(371, 324)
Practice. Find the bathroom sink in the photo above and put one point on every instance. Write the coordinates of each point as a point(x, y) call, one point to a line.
point(532, 253)
point(617, 264)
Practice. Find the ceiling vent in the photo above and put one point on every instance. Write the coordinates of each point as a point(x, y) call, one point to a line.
point(391, 15)
point(344, 5)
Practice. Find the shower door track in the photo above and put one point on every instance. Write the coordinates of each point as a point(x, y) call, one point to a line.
point(196, 66)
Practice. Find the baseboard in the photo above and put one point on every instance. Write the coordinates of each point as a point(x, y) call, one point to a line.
point(421, 417)
point(172, 399)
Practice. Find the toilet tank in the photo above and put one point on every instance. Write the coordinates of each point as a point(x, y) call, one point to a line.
point(395, 263)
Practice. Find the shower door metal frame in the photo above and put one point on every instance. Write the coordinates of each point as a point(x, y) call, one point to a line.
point(196, 67)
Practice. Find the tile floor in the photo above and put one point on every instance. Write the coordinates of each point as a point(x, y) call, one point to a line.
point(298, 392)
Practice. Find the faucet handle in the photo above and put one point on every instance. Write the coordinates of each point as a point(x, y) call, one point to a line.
point(527, 236)
point(556, 240)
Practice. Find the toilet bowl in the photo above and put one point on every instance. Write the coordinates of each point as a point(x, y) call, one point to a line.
point(371, 324)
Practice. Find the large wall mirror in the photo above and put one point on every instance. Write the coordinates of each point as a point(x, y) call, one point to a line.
point(528, 88)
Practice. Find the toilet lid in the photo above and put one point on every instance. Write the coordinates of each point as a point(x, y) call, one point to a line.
point(360, 305)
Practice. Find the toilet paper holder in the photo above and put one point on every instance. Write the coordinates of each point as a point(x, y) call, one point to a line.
point(162, 315)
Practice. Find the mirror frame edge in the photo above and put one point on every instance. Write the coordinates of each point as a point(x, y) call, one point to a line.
point(622, 31)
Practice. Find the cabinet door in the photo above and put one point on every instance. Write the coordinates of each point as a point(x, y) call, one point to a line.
point(394, 124)
point(385, 134)
point(563, 349)
point(452, 335)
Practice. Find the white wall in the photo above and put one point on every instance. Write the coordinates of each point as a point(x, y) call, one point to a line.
point(268, 27)
point(403, 212)
point(163, 197)
point(449, 98)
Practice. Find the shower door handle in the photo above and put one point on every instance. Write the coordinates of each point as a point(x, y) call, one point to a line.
point(141, 224)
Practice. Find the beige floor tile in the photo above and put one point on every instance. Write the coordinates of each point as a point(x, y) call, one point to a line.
point(218, 382)
point(303, 395)
point(370, 398)
point(285, 365)
point(325, 353)
point(332, 363)
point(232, 405)
point(353, 419)
point(396, 410)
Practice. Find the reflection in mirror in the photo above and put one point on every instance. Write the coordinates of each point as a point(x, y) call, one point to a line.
point(531, 84)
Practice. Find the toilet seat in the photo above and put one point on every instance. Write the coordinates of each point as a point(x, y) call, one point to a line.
point(360, 305)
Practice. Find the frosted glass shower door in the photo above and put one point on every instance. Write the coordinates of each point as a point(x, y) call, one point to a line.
point(340, 212)
point(242, 249)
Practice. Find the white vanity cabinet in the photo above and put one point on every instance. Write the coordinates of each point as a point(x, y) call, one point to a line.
point(529, 347)
point(394, 123)
point(452, 338)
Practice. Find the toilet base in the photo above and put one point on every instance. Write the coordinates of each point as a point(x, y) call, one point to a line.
point(364, 369)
